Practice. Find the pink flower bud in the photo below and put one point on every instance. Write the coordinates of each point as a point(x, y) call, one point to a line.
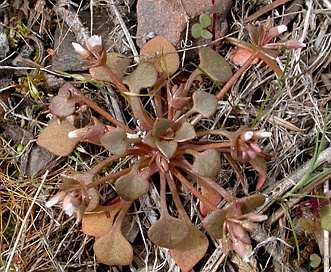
point(293, 44)
point(261, 134)
point(255, 147)
point(81, 50)
point(276, 31)
point(55, 199)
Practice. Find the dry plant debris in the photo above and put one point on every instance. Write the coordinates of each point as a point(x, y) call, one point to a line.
point(218, 161)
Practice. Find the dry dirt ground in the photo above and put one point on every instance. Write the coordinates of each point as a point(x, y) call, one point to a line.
point(295, 110)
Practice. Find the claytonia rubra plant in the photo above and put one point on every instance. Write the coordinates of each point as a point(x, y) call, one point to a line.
point(169, 148)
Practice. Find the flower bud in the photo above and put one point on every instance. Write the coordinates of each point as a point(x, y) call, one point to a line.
point(94, 44)
point(55, 199)
point(276, 31)
point(293, 44)
point(81, 50)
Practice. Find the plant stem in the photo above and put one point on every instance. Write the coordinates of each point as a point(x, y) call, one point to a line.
point(180, 208)
point(190, 187)
point(102, 112)
point(237, 74)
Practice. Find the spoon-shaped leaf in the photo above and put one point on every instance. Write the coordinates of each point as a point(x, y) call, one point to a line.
point(115, 141)
point(204, 103)
point(104, 218)
point(118, 63)
point(55, 138)
point(168, 148)
point(214, 65)
point(131, 186)
point(161, 125)
point(213, 223)
point(250, 203)
point(144, 76)
point(162, 54)
point(113, 249)
point(185, 132)
point(188, 253)
point(207, 163)
point(168, 231)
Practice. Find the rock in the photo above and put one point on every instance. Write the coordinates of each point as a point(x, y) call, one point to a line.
point(68, 60)
point(167, 18)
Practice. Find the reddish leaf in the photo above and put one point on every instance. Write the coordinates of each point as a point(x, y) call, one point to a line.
point(113, 249)
point(55, 139)
point(260, 166)
point(162, 54)
point(168, 232)
point(104, 218)
point(118, 63)
point(188, 253)
point(213, 196)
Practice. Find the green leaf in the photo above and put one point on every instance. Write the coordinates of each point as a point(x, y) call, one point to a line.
point(113, 248)
point(206, 34)
point(207, 163)
point(325, 215)
point(168, 148)
point(161, 125)
point(214, 65)
point(185, 132)
point(250, 203)
point(196, 31)
point(213, 223)
point(115, 141)
point(144, 76)
point(131, 186)
point(168, 232)
point(205, 20)
point(204, 103)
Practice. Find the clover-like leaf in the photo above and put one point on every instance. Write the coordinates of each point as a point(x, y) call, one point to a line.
point(144, 76)
point(196, 30)
point(162, 54)
point(213, 223)
point(168, 231)
point(55, 138)
point(188, 253)
point(207, 163)
point(206, 34)
point(185, 132)
point(131, 186)
point(214, 65)
point(115, 141)
point(204, 103)
point(205, 20)
point(113, 248)
point(117, 62)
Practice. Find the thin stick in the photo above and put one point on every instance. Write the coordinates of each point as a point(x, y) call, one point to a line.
point(265, 9)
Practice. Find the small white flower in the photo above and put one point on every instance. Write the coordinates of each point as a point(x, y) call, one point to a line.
point(81, 50)
point(69, 209)
point(94, 44)
point(55, 199)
